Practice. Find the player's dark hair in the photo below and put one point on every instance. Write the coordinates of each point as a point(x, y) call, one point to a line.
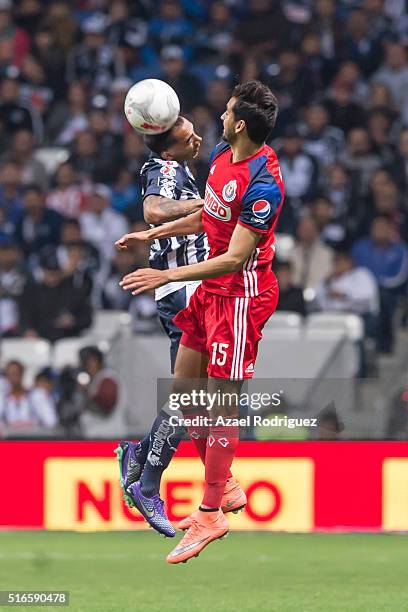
point(160, 142)
point(258, 107)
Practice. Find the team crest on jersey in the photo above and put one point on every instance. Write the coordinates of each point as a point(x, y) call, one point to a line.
point(229, 191)
point(261, 209)
point(168, 169)
point(215, 207)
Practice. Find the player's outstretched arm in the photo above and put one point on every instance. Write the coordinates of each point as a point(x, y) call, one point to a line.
point(158, 209)
point(243, 242)
point(191, 224)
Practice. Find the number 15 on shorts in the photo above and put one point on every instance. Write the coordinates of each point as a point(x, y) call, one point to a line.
point(219, 353)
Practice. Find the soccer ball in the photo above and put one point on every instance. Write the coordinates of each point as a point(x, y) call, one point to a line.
point(151, 106)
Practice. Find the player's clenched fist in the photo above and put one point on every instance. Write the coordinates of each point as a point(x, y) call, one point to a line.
point(129, 240)
point(143, 280)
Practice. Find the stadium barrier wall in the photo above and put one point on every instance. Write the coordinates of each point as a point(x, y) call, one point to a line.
point(291, 486)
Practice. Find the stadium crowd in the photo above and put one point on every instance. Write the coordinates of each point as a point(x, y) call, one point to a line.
point(340, 72)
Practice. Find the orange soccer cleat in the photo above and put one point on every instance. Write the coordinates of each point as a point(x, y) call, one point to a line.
point(205, 528)
point(233, 500)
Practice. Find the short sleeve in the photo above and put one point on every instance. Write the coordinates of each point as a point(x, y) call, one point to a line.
point(162, 178)
point(260, 205)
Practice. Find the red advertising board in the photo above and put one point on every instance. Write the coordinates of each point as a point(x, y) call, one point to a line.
point(291, 486)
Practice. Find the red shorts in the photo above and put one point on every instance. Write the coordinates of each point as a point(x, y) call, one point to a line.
point(228, 329)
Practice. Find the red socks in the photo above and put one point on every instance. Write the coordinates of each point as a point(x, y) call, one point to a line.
point(221, 446)
point(198, 435)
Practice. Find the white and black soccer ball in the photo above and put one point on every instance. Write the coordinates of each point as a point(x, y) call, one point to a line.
point(152, 106)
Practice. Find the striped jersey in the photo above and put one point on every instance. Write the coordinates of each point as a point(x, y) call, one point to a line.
point(173, 180)
point(249, 192)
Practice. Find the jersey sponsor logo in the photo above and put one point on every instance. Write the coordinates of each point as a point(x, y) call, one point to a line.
point(229, 191)
point(214, 207)
point(261, 209)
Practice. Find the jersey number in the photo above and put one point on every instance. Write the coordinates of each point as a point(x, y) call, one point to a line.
point(221, 349)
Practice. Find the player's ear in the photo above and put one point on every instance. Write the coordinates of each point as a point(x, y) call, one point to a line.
point(240, 126)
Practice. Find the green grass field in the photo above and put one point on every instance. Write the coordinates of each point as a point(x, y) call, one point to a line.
point(263, 572)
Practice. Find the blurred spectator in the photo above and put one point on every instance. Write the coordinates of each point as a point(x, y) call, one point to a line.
point(84, 157)
point(359, 43)
point(14, 113)
point(379, 127)
point(67, 198)
point(349, 77)
point(101, 225)
point(214, 39)
point(311, 258)
point(289, 81)
point(134, 152)
point(299, 169)
point(290, 296)
point(379, 96)
point(265, 29)
point(64, 29)
point(316, 66)
point(126, 196)
point(103, 413)
point(69, 118)
point(109, 144)
point(21, 409)
point(359, 159)
point(387, 259)
point(129, 33)
point(14, 41)
point(37, 226)
point(337, 189)
point(331, 231)
point(328, 26)
point(12, 282)
point(22, 152)
point(322, 140)
point(349, 289)
point(113, 297)
point(394, 74)
point(94, 62)
point(218, 94)
point(187, 86)
point(117, 119)
point(52, 60)
point(53, 304)
point(11, 198)
point(86, 262)
point(344, 112)
point(400, 170)
point(170, 27)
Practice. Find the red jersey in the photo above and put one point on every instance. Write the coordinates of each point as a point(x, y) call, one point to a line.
point(249, 192)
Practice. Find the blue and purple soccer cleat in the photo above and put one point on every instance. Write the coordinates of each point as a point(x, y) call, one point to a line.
point(130, 467)
point(152, 509)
